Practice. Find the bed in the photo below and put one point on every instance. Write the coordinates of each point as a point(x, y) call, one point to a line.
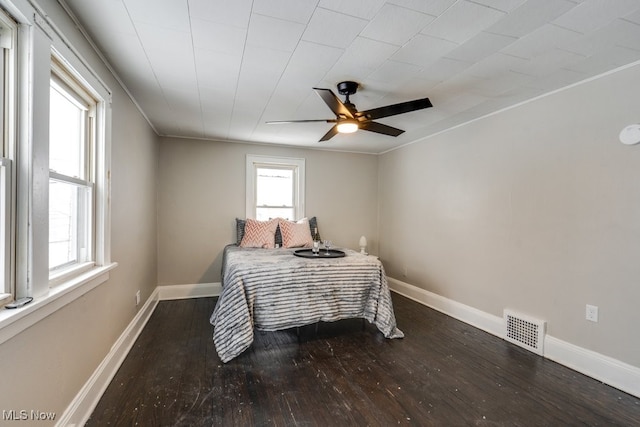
point(271, 289)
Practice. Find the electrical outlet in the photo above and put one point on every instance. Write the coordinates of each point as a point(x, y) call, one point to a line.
point(592, 313)
point(137, 298)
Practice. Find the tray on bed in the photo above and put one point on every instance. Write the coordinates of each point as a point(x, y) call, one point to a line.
point(308, 253)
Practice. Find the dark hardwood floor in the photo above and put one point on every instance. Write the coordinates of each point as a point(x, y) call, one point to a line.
point(443, 373)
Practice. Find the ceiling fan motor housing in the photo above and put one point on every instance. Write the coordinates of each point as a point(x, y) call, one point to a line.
point(347, 88)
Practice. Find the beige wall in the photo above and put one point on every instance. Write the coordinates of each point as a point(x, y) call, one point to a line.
point(535, 209)
point(48, 363)
point(202, 191)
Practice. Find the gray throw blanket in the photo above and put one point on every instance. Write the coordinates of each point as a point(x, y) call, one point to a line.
point(272, 289)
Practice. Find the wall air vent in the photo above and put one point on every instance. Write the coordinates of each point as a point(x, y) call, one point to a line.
point(524, 331)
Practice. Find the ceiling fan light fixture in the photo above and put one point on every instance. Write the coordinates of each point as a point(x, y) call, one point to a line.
point(347, 126)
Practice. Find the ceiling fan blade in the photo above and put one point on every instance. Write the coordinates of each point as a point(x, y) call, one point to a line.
point(392, 110)
point(279, 122)
point(380, 128)
point(330, 98)
point(332, 132)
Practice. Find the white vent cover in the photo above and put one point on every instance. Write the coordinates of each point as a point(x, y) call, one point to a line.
point(524, 331)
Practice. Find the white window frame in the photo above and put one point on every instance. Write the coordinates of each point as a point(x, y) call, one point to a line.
point(253, 162)
point(80, 94)
point(8, 37)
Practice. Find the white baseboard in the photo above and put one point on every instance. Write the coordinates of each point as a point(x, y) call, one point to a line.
point(474, 317)
point(198, 290)
point(610, 371)
point(603, 368)
point(80, 409)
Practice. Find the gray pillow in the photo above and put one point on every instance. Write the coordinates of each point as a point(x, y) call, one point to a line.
point(240, 223)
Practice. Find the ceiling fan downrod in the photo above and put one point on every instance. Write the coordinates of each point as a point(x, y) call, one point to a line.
point(348, 88)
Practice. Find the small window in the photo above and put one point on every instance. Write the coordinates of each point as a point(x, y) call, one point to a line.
point(71, 174)
point(275, 188)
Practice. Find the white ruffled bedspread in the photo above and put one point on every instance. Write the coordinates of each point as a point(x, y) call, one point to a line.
point(272, 289)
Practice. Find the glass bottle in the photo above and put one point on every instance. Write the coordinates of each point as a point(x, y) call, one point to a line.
point(316, 241)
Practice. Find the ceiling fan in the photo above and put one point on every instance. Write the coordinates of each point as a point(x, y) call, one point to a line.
point(349, 119)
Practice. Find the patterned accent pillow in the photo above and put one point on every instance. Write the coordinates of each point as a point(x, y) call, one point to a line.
point(259, 234)
point(296, 234)
point(240, 223)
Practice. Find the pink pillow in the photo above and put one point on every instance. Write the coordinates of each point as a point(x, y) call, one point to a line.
point(296, 234)
point(259, 234)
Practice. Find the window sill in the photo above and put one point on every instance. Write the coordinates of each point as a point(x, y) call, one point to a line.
point(67, 275)
point(14, 321)
point(4, 299)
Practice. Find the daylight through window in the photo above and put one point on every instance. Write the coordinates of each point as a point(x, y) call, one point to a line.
point(71, 182)
point(275, 188)
point(274, 193)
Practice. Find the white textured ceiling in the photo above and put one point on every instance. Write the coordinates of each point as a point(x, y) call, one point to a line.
point(216, 69)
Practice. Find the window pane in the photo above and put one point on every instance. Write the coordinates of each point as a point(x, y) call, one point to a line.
point(68, 217)
point(4, 202)
point(3, 100)
point(274, 187)
point(264, 214)
point(5, 210)
point(66, 133)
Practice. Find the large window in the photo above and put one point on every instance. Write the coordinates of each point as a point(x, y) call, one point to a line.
point(275, 187)
point(71, 174)
point(55, 167)
point(8, 30)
